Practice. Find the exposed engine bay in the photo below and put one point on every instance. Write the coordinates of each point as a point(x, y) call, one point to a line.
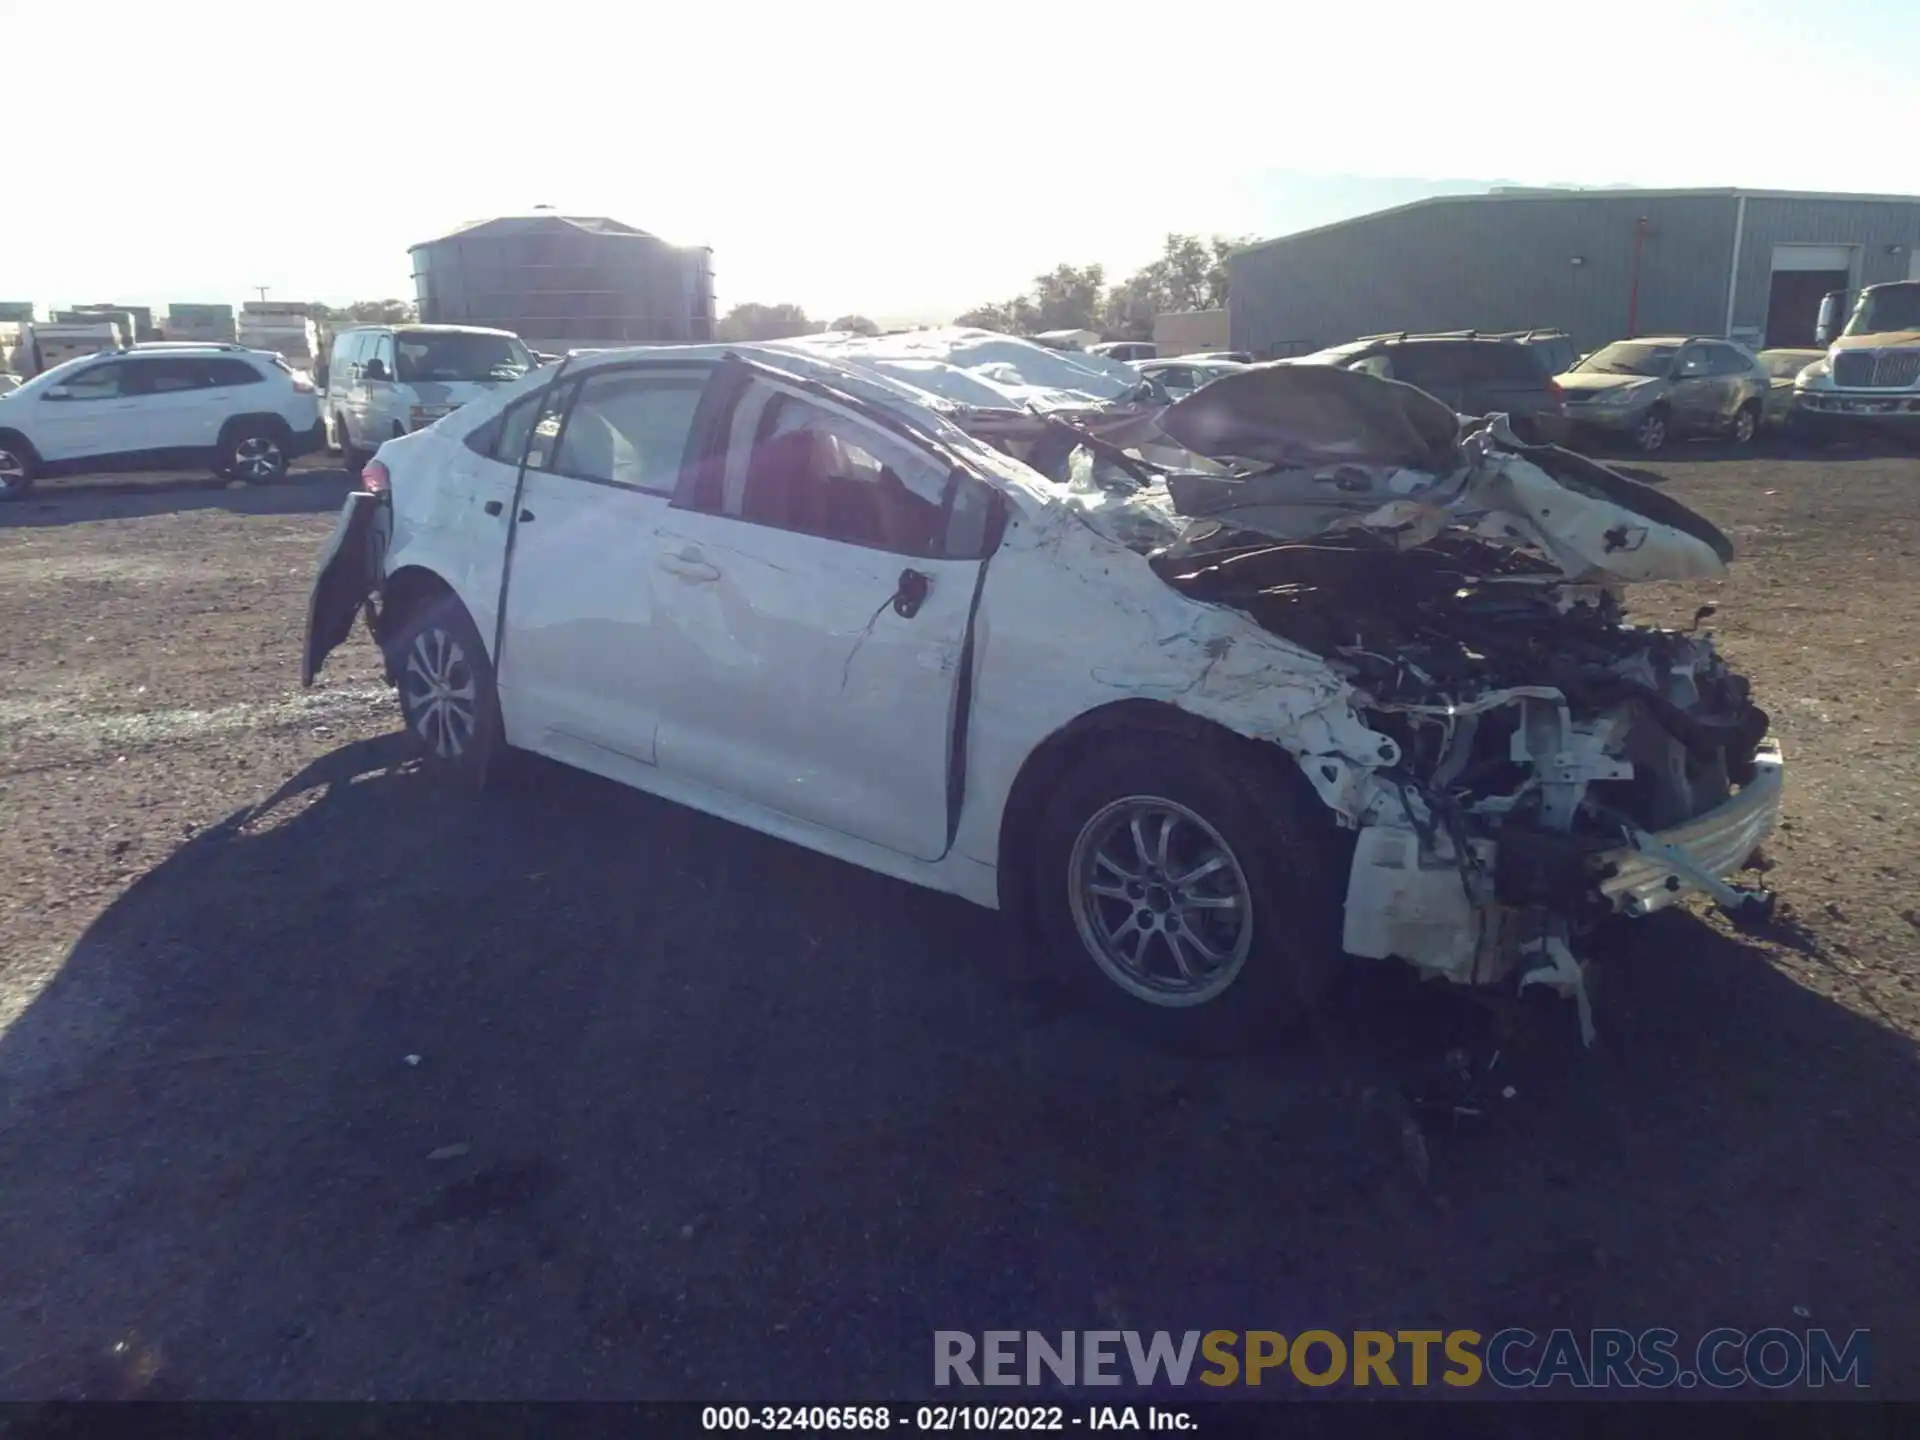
point(1557, 763)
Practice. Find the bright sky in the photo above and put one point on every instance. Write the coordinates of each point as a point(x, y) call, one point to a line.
point(898, 159)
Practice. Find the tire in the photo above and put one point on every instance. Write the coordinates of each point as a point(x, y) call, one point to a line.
point(1746, 424)
point(436, 653)
point(1654, 429)
point(1267, 860)
point(18, 467)
point(254, 452)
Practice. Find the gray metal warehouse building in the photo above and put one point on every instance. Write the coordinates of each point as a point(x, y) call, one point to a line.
point(1601, 264)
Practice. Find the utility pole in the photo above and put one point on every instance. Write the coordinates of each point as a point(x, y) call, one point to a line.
point(263, 292)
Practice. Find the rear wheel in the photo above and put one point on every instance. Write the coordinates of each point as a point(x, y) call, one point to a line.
point(447, 696)
point(1746, 423)
point(1190, 887)
point(254, 453)
point(18, 465)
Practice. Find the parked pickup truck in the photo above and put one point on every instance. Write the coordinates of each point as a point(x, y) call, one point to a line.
point(1870, 376)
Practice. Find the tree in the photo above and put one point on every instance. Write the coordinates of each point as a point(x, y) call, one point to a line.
point(754, 321)
point(1067, 297)
point(1011, 317)
point(855, 324)
point(1189, 274)
point(369, 312)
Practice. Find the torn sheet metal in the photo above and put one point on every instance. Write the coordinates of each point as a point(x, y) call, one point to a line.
point(1350, 451)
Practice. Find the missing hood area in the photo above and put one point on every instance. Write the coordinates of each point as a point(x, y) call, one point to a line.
point(1555, 763)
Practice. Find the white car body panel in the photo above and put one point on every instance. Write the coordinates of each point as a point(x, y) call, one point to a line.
point(764, 675)
point(582, 656)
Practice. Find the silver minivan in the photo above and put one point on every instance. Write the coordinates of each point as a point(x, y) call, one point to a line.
point(388, 380)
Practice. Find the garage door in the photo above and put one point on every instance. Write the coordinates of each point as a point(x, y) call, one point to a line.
point(1813, 257)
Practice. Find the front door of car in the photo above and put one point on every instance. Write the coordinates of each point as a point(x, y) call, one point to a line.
point(814, 588)
point(93, 413)
point(581, 668)
point(1693, 393)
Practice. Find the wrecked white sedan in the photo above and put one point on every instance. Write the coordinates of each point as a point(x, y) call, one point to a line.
point(1205, 695)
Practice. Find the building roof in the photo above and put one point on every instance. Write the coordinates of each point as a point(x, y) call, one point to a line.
point(1516, 193)
point(536, 221)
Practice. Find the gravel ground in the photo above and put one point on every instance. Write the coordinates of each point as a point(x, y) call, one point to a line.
point(317, 1080)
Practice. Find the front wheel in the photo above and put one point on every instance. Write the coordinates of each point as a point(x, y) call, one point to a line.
point(1650, 435)
point(447, 696)
point(1190, 886)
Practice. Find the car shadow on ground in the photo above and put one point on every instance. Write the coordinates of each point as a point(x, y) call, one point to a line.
point(67, 501)
point(564, 1091)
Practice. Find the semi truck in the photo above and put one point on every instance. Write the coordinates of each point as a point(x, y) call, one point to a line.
point(1869, 379)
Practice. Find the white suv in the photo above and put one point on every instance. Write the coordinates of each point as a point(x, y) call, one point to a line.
point(245, 412)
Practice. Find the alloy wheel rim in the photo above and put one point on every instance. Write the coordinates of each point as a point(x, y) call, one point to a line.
point(440, 692)
point(12, 469)
point(1653, 432)
point(1743, 427)
point(1160, 901)
point(257, 457)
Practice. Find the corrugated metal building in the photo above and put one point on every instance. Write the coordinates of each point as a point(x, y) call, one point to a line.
point(1600, 264)
point(566, 281)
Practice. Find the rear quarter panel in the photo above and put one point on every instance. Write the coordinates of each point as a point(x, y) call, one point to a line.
point(440, 522)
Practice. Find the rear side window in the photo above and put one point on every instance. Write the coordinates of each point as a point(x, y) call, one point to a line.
point(166, 377)
point(504, 437)
point(221, 371)
point(1509, 363)
point(1729, 361)
point(630, 428)
point(1427, 364)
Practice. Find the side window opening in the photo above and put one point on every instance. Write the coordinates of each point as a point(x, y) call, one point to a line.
point(504, 437)
point(102, 382)
point(815, 471)
point(630, 428)
point(551, 415)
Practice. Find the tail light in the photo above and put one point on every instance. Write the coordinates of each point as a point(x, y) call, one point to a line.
point(1559, 395)
point(374, 478)
point(302, 382)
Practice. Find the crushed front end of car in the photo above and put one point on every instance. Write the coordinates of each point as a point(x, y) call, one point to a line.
point(1556, 764)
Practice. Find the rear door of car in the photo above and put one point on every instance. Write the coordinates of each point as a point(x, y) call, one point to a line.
point(815, 588)
point(1734, 385)
point(1442, 368)
point(1507, 378)
point(582, 667)
point(1694, 392)
point(179, 406)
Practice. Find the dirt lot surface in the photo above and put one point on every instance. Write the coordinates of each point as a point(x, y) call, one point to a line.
point(317, 1080)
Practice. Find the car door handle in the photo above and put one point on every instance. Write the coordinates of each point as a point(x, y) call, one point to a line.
point(689, 566)
point(492, 507)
